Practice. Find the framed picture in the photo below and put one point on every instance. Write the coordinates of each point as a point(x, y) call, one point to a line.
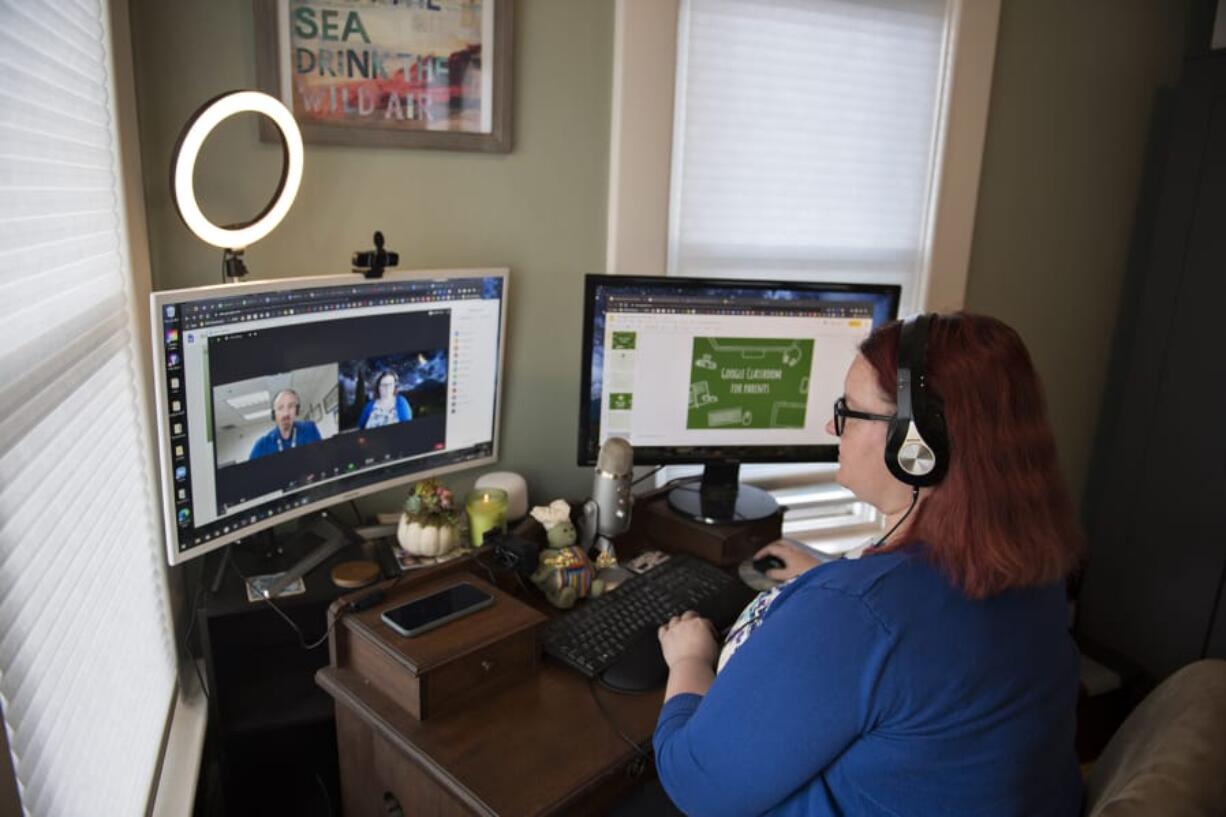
point(394, 73)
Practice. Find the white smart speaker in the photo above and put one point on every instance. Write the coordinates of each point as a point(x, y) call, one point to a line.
point(514, 485)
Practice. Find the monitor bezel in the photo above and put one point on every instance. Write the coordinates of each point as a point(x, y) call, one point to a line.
point(158, 300)
point(589, 442)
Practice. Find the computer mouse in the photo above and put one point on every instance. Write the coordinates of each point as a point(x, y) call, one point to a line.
point(768, 562)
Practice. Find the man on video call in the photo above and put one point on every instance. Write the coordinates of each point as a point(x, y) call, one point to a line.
point(290, 432)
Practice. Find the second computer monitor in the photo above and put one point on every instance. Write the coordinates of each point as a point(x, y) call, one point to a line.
point(720, 372)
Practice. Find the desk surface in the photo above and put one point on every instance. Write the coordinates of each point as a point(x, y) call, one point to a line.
point(538, 747)
point(543, 746)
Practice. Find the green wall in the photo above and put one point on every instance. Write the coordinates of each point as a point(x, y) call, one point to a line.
point(1072, 96)
point(539, 210)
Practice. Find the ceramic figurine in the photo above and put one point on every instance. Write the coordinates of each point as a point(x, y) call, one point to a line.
point(565, 573)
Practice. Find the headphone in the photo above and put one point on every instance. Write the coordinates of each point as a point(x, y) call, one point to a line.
point(272, 412)
point(917, 444)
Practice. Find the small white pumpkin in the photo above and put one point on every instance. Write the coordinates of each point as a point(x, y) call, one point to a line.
point(429, 541)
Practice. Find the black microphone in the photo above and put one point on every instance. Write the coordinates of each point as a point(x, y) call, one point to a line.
point(607, 514)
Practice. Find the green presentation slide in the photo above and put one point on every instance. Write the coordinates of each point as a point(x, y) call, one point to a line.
point(749, 382)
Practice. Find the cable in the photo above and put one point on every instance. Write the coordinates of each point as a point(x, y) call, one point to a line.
point(608, 716)
point(357, 514)
point(301, 638)
point(489, 570)
point(901, 519)
point(327, 797)
point(648, 475)
point(187, 635)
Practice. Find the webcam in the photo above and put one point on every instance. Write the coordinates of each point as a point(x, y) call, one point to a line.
point(371, 263)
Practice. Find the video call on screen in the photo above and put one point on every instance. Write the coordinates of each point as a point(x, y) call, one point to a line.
point(323, 381)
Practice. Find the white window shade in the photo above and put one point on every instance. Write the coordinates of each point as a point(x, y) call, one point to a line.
point(87, 660)
point(805, 139)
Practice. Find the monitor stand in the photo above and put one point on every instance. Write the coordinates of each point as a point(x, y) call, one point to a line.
point(720, 498)
point(316, 539)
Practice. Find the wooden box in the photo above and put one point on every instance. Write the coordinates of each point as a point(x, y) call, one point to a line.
point(441, 669)
point(723, 545)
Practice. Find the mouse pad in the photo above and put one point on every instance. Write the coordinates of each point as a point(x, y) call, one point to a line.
point(753, 578)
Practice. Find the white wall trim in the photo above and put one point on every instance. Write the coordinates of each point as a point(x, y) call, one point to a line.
point(964, 115)
point(640, 145)
point(644, 64)
point(172, 791)
point(175, 788)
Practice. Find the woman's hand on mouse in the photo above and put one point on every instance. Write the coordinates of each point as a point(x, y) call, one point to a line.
point(796, 559)
point(688, 637)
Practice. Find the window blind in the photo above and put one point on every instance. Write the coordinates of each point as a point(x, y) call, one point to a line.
point(805, 148)
point(805, 139)
point(87, 659)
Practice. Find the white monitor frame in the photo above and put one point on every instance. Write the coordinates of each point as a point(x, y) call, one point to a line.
point(158, 300)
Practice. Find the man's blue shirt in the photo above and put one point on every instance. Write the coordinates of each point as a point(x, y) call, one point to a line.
point(304, 432)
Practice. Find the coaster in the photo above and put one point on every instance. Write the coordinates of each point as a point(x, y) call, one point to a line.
point(408, 561)
point(355, 574)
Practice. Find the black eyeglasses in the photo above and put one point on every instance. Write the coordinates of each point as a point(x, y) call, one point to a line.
point(842, 412)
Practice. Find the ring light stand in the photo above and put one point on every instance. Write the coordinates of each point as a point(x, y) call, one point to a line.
point(234, 239)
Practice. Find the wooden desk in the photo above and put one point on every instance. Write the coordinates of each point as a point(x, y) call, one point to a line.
point(540, 747)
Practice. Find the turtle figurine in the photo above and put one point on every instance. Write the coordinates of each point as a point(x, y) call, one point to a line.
point(565, 574)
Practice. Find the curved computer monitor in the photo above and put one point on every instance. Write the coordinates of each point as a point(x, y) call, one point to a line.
point(719, 372)
point(279, 398)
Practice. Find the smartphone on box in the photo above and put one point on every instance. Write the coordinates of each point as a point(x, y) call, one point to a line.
point(424, 614)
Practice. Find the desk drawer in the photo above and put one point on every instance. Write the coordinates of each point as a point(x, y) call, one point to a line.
point(483, 671)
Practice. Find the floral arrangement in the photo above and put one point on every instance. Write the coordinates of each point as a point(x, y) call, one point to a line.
point(430, 503)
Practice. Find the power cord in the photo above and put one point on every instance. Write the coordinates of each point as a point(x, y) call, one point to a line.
point(489, 571)
point(642, 753)
point(327, 798)
point(301, 637)
point(648, 475)
point(193, 613)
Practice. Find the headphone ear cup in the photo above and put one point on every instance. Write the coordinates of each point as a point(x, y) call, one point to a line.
point(911, 459)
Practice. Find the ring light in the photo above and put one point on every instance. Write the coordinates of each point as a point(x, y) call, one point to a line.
point(239, 236)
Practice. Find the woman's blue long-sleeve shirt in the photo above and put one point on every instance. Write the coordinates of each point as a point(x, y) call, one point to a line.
point(873, 686)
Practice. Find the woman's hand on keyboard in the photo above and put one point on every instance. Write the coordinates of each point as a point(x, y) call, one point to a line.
point(796, 559)
point(688, 637)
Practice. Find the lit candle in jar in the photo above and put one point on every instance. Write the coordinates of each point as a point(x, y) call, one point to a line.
point(487, 510)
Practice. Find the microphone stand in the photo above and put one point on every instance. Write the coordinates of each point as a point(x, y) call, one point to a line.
point(596, 545)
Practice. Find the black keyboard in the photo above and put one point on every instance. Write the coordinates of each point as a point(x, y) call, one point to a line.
point(594, 636)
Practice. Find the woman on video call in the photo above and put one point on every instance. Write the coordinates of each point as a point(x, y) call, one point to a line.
point(389, 406)
point(933, 675)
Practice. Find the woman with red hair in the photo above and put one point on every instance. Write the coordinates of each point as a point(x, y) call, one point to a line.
point(934, 674)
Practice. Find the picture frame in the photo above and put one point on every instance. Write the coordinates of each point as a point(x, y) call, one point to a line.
point(430, 74)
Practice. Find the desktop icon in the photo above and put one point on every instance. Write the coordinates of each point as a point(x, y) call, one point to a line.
point(176, 429)
point(174, 384)
point(172, 336)
point(178, 451)
point(185, 516)
point(170, 311)
point(182, 494)
point(180, 473)
point(176, 406)
point(173, 359)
